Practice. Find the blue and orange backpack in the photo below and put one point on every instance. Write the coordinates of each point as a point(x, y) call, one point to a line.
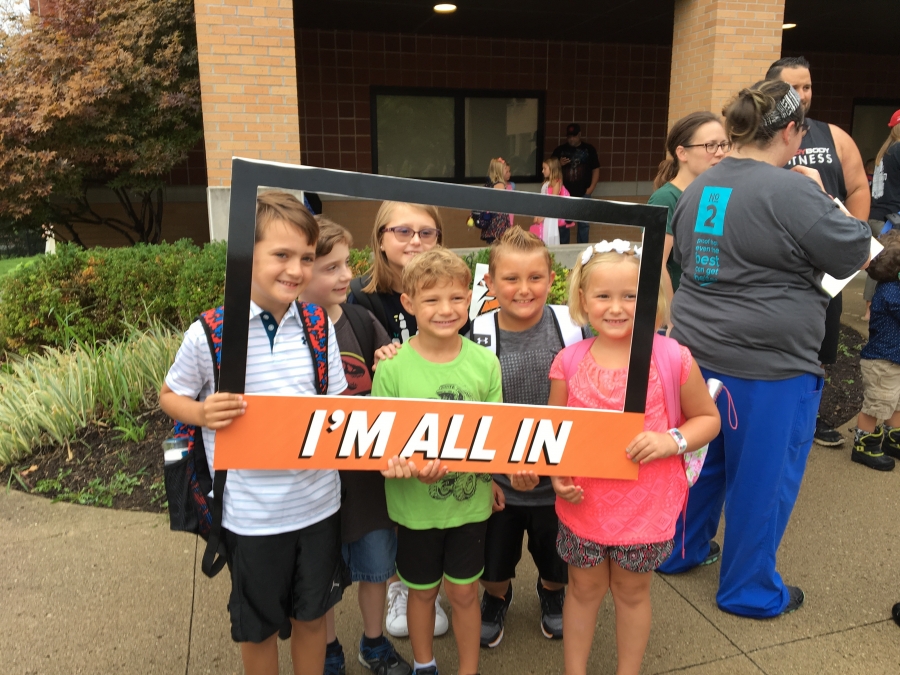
point(188, 481)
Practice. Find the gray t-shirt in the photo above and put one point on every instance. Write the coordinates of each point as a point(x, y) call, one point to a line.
point(753, 241)
point(525, 360)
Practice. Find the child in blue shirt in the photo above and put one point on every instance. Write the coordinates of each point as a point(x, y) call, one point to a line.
point(874, 445)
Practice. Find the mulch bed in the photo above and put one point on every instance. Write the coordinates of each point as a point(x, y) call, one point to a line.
point(100, 453)
point(843, 394)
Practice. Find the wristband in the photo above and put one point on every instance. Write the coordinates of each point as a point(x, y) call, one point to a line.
point(679, 440)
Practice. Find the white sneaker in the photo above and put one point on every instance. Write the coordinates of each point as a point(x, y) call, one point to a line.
point(396, 624)
point(441, 622)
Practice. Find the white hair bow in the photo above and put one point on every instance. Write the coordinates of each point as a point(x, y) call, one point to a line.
point(620, 246)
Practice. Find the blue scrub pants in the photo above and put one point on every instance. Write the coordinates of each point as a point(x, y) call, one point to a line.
point(755, 470)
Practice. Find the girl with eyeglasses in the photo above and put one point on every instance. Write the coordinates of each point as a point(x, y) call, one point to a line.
point(401, 232)
point(754, 241)
point(695, 143)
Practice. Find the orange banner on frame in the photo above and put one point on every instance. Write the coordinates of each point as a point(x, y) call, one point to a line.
point(362, 433)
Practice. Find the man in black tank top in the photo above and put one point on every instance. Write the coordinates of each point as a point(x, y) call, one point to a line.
point(830, 150)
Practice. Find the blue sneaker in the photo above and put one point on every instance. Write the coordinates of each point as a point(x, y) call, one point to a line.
point(334, 661)
point(383, 659)
point(430, 670)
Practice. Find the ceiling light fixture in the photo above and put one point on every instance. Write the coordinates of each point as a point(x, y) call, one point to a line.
point(445, 8)
point(788, 26)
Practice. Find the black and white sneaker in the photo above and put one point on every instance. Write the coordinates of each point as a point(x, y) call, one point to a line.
point(493, 613)
point(826, 435)
point(551, 611)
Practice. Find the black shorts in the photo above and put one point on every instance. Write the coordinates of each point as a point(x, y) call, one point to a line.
point(426, 556)
point(274, 578)
point(503, 543)
point(829, 349)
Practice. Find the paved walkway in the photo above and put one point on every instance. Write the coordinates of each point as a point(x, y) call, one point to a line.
point(87, 590)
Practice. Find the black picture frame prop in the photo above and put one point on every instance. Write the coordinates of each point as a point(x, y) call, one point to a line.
point(248, 175)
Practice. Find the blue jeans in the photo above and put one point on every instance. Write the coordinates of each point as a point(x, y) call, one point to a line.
point(755, 470)
point(584, 233)
point(373, 557)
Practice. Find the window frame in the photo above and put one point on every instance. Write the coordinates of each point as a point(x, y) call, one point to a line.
point(459, 97)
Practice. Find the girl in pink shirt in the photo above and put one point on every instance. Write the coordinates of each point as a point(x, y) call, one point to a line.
point(613, 533)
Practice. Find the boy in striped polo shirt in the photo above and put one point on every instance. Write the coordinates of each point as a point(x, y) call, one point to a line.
point(274, 522)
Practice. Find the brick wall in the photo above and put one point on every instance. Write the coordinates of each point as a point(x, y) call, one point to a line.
point(618, 93)
point(718, 47)
point(248, 82)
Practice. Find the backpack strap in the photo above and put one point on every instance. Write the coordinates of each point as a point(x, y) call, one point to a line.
point(211, 320)
point(360, 297)
point(486, 328)
point(361, 324)
point(485, 331)
point(315, 326)
point(214, 556)
point(573, 355)
point(667, 359)
point(569, 333)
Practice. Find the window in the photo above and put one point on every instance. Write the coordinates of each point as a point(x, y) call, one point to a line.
point(452, 135)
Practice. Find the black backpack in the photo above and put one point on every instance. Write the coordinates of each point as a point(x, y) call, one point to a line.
point(361, 323)
point(368, 300)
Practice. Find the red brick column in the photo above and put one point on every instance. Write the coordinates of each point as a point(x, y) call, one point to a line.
point(248, 82)
point(719, 47)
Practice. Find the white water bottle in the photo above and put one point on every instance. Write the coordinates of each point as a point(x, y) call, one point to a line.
point(174, 449)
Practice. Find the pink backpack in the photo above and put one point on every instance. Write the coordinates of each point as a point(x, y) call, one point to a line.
point(667, 359)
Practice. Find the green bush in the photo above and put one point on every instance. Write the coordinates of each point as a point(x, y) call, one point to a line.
point(360, 260)
point(102, 293)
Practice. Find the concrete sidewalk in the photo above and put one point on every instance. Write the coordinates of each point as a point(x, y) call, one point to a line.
point(89, 590)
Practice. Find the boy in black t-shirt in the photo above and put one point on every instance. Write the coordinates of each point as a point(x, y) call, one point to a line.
point(369, 542)
point(581, 173)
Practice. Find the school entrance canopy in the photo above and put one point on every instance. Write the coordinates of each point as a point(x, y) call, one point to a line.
point(297, 81)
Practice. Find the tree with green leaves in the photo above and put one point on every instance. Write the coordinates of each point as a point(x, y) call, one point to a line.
point(101, 93)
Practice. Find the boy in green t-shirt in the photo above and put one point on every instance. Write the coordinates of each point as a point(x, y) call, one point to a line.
point(441, 516)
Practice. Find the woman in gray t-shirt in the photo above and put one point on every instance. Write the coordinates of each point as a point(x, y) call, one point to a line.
point(754, 241)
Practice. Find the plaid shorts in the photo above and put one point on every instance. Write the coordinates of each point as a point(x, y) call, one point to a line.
point(641, 558)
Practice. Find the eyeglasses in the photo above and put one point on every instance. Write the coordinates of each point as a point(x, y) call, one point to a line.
point(404, 234)
point(724, 146)
point(803, 127)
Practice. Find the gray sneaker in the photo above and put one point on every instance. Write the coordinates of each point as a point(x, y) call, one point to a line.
point(551, 611)
point(493, 612)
